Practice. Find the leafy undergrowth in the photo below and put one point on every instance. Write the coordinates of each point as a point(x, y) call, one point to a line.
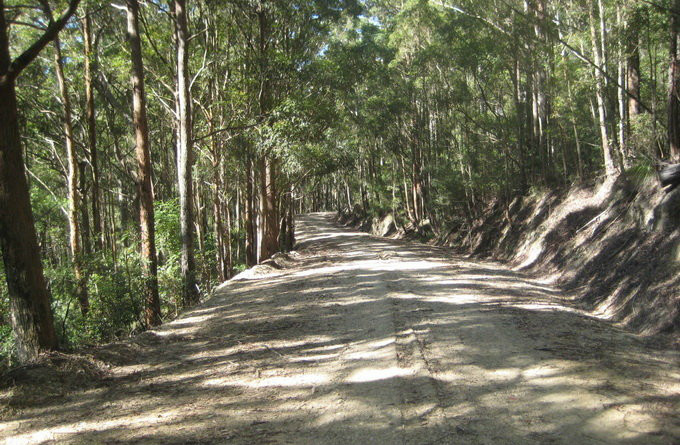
point(614, 245)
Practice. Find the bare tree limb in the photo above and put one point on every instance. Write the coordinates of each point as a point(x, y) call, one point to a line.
point(32, 52)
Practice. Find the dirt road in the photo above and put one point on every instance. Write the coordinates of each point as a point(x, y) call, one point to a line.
point(363, 340)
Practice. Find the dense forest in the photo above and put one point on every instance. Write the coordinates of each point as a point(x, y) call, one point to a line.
point(150, 150)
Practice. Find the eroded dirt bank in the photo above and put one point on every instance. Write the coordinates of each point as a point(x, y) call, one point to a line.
point(365, 340)
point(614, 244)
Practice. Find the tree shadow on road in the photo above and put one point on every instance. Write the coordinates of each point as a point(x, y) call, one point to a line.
point(302, 356)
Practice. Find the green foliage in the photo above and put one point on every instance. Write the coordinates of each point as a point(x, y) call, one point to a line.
point(115, 303)
point(360, 103)
point(645, 140)
point(168, 246)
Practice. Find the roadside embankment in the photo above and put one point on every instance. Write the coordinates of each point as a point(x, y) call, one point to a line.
point(614, 245)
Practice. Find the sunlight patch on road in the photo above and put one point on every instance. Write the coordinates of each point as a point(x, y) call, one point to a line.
point(364, 375)
point(546, 307)
point(454, 298)
point(505, 374)
point(486, 279)
point(182, 326)
point(371, 266)
point(331, 235)
point(314, 358)
point(326, 348)
point(542, 371)
point(623, 422)
point(373, 350)
point(343, 301)
point(190, 320)
point(61, 433)
point(292, 380)
point(296, 380)
point(457, 298)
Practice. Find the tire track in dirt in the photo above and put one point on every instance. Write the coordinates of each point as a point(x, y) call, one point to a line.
point(361, 340)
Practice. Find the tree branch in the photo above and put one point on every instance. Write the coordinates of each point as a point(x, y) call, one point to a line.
point(32, 52)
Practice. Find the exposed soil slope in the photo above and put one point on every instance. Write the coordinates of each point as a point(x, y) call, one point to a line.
point(364, 340)
point(614, 245)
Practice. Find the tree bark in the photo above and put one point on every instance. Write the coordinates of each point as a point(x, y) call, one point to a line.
point(609, 166)
point(217, 207)
point(190, 294)
point(674, 85)
point(72, 184)
point(251, 238)
point(621, 93)
point(541, 103)
point(85, 238)
point(144, 185)
point(269, 224)
point(268, 207)
point(31, 314)
point(90, 120)
point(633, 63)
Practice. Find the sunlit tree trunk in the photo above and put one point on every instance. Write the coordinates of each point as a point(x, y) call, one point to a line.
point(190, 294)
point(632, 38)
point(609, 166)
point(520, 125)
point(227, 244)
point(267, 165)
point(621, 92)
point(541, 102)
point(217, 207)
point(144, 186)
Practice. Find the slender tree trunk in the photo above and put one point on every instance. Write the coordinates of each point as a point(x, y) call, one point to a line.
point(406, 195)
point(92, 131)
point(674, 85)
point(541, 104)
point(199, 217)
point(190, 294)
point(217, 212)
point(290, 224)
point(621, 93)
point(261, 212)
point(226, 246)
point(609, 166)
point(417, 187)
point(283, 228)
point(521, 127)
point(84, 216)
point(144, 185)
point(72, 184)
point(269, 224)
point(603, 40)
point(632, 37)
point(251, 238)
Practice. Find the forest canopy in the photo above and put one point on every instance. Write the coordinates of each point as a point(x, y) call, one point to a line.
point(151, 149)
